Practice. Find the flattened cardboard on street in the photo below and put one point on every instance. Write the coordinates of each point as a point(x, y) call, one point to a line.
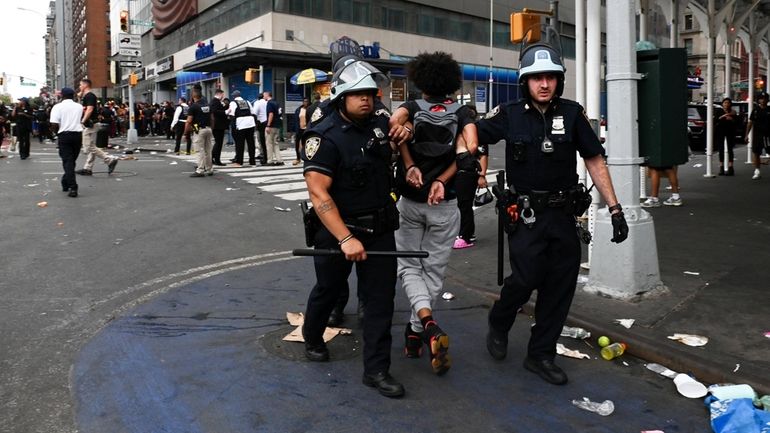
point(297, 319)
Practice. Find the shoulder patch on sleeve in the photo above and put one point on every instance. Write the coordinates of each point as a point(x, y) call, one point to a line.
point(495, 111)
point(311, 146)
point(317, 115)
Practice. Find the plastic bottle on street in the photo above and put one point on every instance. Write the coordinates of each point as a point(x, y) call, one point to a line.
point(579, 333)
point(613, 350)
point(604, 408)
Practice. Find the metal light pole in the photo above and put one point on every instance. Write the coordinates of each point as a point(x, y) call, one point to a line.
point(491, 37)
point(132, 137)
point(630, 269)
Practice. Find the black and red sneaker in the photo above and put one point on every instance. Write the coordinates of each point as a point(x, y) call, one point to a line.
point(413, 342)
point(438, 342)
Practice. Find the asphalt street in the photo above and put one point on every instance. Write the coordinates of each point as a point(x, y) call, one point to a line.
point(154, 302)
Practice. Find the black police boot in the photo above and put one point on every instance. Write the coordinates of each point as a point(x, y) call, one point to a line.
point(497, 343)
point(316, 352)
point(546, 369)
point(385, 384)
point(730, 171)
point(336, 317)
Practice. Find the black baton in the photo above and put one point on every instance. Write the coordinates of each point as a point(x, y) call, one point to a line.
point(331, 252)
point(500, 229)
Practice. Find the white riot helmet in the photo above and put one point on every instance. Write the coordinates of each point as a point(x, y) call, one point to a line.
point(538, 59)
point(357, 76)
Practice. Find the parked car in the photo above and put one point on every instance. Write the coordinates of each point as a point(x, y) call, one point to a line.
point(696, 123)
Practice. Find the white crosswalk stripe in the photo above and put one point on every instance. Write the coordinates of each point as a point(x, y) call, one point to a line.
point(285, 182)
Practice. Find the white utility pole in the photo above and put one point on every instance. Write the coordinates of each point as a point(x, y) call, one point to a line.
point(629, 269)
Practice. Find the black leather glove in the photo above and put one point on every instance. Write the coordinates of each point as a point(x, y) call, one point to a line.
point(619, 228)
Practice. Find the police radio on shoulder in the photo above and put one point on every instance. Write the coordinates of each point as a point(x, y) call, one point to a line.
point(615, 207)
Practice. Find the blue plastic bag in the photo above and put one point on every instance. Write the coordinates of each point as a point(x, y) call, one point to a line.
point(737, 416)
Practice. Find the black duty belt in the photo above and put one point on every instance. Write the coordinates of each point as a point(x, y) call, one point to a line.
point(543, 199)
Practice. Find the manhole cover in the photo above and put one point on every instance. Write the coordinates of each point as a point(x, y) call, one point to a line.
point(341, 347)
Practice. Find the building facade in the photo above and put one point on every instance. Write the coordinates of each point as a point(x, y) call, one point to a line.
point(91, 45)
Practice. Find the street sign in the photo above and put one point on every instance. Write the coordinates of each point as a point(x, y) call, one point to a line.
point(130, 64)
point(142, 23)
point(129, 41)
point(28, 84)
point(129, 52)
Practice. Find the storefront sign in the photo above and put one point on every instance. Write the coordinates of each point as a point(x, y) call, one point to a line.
point(346, 46)
point(204, 50)
point(166, 64)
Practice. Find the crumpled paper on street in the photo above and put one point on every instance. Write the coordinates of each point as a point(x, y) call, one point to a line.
point(297, 319)
point(563, 351)
point(626, 323)
point(690, 339)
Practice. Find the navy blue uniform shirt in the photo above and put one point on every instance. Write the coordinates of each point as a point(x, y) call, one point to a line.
point(524, 127)
point(356, 157)
point(200, 113)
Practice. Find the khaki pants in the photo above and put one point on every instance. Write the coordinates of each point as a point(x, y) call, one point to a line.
point(203, 142)
point(273, 150)
point(90, 149)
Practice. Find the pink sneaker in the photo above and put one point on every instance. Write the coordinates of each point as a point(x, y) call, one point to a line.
point(460, 244)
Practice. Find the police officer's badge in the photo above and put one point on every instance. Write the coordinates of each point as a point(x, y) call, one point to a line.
point(557, 126)
point(495, 111)
point(311, 146)
point(317, 115)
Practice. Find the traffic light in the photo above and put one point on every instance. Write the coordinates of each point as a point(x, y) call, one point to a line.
point(759, 84)
point(525, 26)
point(124, 21)
point(21, 80)
point(2, 81)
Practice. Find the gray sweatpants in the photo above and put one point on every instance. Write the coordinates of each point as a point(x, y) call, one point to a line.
point(432, 229)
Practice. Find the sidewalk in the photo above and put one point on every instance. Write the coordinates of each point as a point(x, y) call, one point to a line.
point(712, 252)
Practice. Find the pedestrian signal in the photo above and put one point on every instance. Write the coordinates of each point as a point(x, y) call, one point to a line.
point(133, 79)
point(252, 75)
point(124, 21)
point(2, 81)
point(21, 80)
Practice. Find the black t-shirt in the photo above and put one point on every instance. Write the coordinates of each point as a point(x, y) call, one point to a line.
point(200, 113)
point(273, 107)
point(218, 111)
point(89, 100)
point(760, 121)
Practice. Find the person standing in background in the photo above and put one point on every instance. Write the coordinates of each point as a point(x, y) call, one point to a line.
point(89, 132)
point(241, 110)
point(272, 128)
point(23, 115)
point(260, 114)
point(301, 114)
point(198, 125)
point(219, 124)
point(759, 125)
point(65, 121)
point(177, 124)
point(725, 132)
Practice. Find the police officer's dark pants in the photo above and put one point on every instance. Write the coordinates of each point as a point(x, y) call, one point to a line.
point(376, 280)
point(466, 183)
point(219, 139)
point(179, 131)
point(69, 149)
point(262, 141)
point(244, 136)
point(23, 143)
point(547, 258)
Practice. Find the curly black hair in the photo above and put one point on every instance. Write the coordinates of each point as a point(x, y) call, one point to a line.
point(435, 74)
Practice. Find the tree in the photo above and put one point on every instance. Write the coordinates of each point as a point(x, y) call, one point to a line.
point(6, 98)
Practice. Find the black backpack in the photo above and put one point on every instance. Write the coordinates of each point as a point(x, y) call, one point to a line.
point(433, 147)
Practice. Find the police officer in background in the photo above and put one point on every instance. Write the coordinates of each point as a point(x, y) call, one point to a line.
point(65, 122)
point(198, 125)
point(347, 160)
point(542, 132)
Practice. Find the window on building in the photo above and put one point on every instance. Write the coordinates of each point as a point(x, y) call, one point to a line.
point(361, 13)
point(342, 10)
point(688, 46)
point(688, 22)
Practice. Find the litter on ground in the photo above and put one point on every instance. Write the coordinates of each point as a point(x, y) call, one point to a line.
point(690, 339)
point(297, 319)
point(563, 351)
point(626, 323)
